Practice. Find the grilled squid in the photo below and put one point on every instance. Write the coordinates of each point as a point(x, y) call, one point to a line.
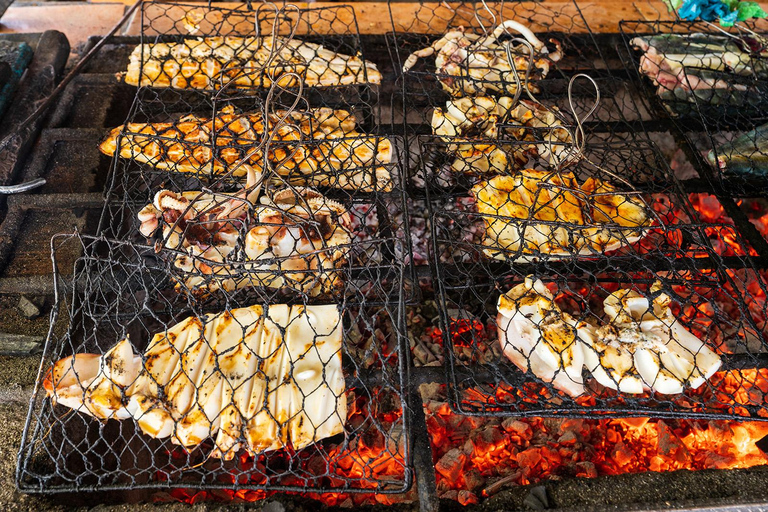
point(246, 62)
point(534, 214)
point(538, 337)
point(256, 378)
point(467, 124)
point(638, 346)
point(318, 147)
point(471, 64)
point(297, 239)
point(643, 345)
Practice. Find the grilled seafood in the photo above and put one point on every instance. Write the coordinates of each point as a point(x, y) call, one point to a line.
point(538, 337)
point(639, 345)
point(258, 378)
point(690, 67)
point(469, 64)
point(466, 119)
point(644, 345)
point(249, 62)
point(298, 240)
point(336, 155)
point(534, 214)
point(747, 154)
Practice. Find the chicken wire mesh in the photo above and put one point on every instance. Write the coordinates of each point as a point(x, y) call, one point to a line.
point(466, 49)
point(261, 237)
point(615, 208)
point(679, 64)
point(273, 191)
point(187, 46)
point(172, 403)
point(662, 344)
point(713, 85)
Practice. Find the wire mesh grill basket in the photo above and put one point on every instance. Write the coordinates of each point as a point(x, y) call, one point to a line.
point(329, 381)
point(440, 67)
point(679, 64)
point(189, 46)
point(570, 218)
point(218, 236)
point(275, 191)
point(677, 344)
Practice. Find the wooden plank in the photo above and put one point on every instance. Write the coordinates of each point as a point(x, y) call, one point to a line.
point(434, 17)
point(427, 18)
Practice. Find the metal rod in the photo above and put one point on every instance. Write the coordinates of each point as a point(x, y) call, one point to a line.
point(426, 479)
point(70, 76)
point(22, 187)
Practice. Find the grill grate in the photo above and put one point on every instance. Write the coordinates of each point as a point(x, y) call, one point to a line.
point(117, 292)
point(275, 261)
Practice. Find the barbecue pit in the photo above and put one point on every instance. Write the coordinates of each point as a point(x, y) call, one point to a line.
point(435, 406)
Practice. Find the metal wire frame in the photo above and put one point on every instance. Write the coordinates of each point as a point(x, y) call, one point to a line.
point(372, 241)
point(334, 28)
point(701, 124)
point(377, 247)
point(111, 293)
point(581, 54)
point(159, 118)
point(470, 237)
point(731, 93)
point(725, 309)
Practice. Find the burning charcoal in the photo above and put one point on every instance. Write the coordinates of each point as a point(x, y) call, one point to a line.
point(622, 455)
point(518, 427)
point(431, 391)
point(586, 469)
point(450, 495)
point(473, 479)
point(568, 438)
point(487, 439)
point(467, 498)
point(451, 464)
point(670, 444)
point(499, 484)
point(422, 355)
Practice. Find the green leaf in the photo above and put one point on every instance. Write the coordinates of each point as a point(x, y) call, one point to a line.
point(673, 5)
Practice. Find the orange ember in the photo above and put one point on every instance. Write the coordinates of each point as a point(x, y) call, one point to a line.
point(475, 457)
point(476, 454)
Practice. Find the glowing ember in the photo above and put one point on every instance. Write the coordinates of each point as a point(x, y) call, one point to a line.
point(475, 457)
point(474, 454)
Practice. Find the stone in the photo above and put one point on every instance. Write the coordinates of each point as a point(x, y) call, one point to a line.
point(273, 506)
point(29, 309)
point(537, 498)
